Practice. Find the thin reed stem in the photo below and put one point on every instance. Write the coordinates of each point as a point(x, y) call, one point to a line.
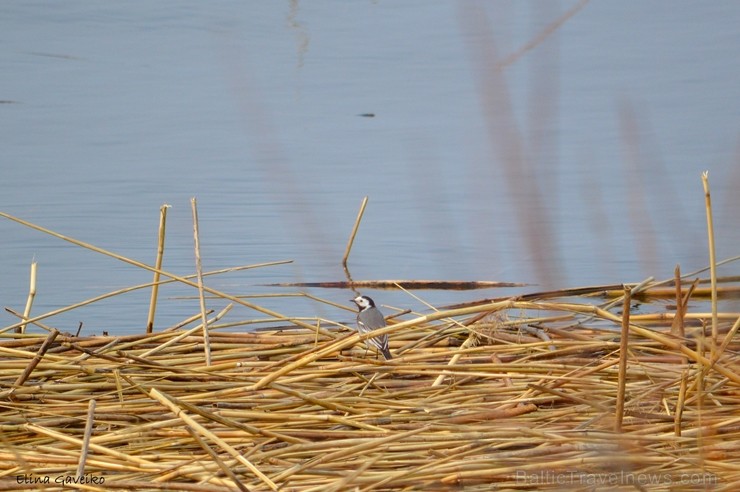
point(677, 328)
point(351, 240)
point(157, 266)
point(31, 296)
point(86, 439)
point(36, 359)
point(199, 273)
point(623, 347)
point(712, 260)
point(680, 402)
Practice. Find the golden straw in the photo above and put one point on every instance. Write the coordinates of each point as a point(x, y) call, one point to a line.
point(157, 266)
point(199, 273)
point(355, 228)
point(31, 295)
point(712, 260)
point(623, 345)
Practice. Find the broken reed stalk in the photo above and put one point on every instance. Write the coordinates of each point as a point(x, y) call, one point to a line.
point(623, 346)
point(712, 260)
point(20, 316)
point(36, 359)
point(199, 273)
point(86, 438)
point(677, 328)
point(157, 266)
point(355, 228)
point(352, 235)
point(31, 296)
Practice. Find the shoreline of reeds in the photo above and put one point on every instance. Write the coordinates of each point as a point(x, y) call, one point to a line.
point(511, 394)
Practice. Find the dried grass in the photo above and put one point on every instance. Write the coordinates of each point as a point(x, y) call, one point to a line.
point(292, 410)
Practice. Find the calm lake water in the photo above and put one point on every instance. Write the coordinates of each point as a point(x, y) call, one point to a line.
point(554, 143)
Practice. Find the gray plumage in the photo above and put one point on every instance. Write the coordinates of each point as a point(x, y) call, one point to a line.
point(370, 318)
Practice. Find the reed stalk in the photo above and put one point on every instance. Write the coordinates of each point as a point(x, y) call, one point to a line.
point(199, 273)
point(31, 296)
point(36, 359)
point(680, 402)
point(86, 438)
point(677, 328)
point(712, 260)
point(157, 266)
point(470, 341)
point(623, 347)
point(352, 235)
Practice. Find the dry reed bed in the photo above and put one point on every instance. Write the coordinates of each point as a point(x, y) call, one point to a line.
point(475, 397)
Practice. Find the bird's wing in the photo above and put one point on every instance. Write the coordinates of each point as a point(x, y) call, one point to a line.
point(374, 319)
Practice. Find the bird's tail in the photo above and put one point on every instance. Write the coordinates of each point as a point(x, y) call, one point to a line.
point(386, 353)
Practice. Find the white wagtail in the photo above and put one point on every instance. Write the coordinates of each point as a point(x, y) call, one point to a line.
point(370, 318)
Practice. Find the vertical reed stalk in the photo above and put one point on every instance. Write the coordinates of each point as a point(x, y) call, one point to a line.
point(158, 266)
point(351, 240)
point(680, 404)
point(31, 295)
point(86, 438)
point(119, 386)
point(712, 261)
point(354, 231)
point(677, 326)
point(199, 272)
point(700, 374)
point(623, 346)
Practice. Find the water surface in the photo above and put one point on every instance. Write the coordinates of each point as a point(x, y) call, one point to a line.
point(552, 143)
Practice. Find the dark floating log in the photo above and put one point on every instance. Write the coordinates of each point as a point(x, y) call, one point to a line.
point(406, 284)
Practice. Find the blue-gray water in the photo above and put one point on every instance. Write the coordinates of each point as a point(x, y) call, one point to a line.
point(554, 143)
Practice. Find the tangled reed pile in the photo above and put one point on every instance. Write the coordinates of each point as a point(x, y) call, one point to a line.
point(512, 394)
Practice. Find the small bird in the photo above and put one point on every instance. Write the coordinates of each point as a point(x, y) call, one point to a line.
point(370, 318)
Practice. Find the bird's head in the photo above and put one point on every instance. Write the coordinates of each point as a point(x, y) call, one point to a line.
point(363, 302)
